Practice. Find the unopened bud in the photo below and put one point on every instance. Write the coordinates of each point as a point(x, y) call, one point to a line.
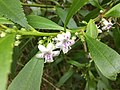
point(76, 33)
point(18, 37)
point(44, 37)
point(3, 34)
point(17, 43)
point(74, 37)
point(40, 42)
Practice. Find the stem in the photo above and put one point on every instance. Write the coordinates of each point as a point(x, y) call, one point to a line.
point(38, 5)
point(36, 33)
point(3, 26)
point(85, 47)
point(50, 84)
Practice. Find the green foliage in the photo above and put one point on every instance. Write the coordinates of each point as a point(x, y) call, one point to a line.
point(12, 9)
point(29, 75)
point(114, 11)
point(92, 30)
point(5, 21)
point(76, 5)
point(95, 3)
point(116, 36)
point(43, 23)
point(83, 63)
point(104, 57)
point(91, 84)
point(6, 50)
point(62, 14)
point(65, 77)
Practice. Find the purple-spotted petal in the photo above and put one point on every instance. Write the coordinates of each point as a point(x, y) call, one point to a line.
point(71, 42)
point(65, 50)
point(68, 35)
point(48, 58)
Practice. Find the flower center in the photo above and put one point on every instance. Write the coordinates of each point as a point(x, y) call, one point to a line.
point(48, 56)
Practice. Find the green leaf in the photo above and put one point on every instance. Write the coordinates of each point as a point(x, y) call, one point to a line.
point(114, 12)
point(65, 77)
point(5, 21)
point(62, 14)
point(6, 47)
point(76, 5)
point(116, 37)
point(93, 14)
point(39, 22)
point(11, 9)
point(95, 3)
point(91, 84)
point(103, 83)
point(106, 59)
point(29, 78)
point(77, 64)
point(92, 29)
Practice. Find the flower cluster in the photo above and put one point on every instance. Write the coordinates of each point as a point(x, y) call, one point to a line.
point(63, 42)
point(104, 25)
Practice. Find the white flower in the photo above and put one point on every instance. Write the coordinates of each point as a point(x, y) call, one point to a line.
point(64, 42)
point(47, 52)
point(107, 25)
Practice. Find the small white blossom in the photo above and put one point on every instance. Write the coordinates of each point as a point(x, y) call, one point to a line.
point(17, 43)
point(3, 34)
point(107, 25)
point(47, 52)
point(18, 36)
point(99, 31)
point(64, 42)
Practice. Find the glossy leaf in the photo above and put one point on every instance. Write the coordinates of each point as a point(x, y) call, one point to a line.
point(103, 82)
point(77, 64)
point(91, 84)
point(116, 37)
point(12, 9)
point(105, 58)
point(91, 15)
point(65, 77)
point(76, 5)
point(6, 50)
point(5, 21)
point(39, 22)
point(92, 29)
point(62, 14)
point(29, 78)
point(95, 3)
point(114, 12)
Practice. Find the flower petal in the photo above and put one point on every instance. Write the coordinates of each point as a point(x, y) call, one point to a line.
point(68, 35)
point(50, 47)
point(48, 58)
point(60, 37)
point(71, 42)
point(59, 45)
point(56, 53)
point(42, 48)
point(40, 55)
point(48, 61)
point(65, 50)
